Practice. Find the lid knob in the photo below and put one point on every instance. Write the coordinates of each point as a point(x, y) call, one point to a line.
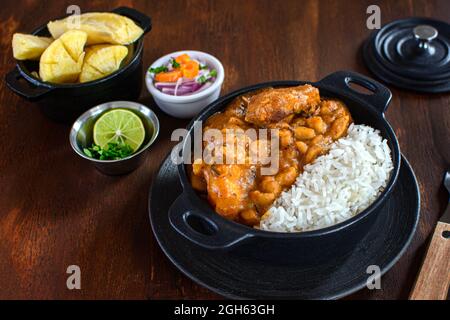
point(425, 34)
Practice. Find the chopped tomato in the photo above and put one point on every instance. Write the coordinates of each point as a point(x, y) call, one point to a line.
point(170, 76)
point(184, 58)
point(190, 69)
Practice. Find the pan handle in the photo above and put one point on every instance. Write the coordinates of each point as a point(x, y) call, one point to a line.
point(215, 234)
point(144, 21)
point(340, 81)
point(23, 87)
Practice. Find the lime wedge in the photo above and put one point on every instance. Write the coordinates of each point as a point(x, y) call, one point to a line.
point(119, 126)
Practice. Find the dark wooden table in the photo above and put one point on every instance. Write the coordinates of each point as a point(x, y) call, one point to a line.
point(56, 210)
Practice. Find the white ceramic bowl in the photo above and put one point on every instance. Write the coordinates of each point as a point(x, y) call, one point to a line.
point(186, 106)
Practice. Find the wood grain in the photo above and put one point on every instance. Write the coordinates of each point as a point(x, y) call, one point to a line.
point(57, 210)
point(434, 278)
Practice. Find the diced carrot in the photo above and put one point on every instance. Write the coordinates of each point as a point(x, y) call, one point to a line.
point(190, 69)
point(181, 59)
point(170, 76)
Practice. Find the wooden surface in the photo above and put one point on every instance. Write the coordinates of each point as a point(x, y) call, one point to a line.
point(434, 277)
point(56, 210)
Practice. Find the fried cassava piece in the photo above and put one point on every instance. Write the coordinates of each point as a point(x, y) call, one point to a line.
point(82, 50)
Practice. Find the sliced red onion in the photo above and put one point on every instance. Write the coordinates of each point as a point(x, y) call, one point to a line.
point(196, 86)
point(160, 85)
point(204, 86)
point(168, 91)
point(179, 81)
point(180, 92)
point(199, 88)
point(188, 81)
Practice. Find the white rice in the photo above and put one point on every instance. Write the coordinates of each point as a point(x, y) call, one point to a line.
point(336, 186)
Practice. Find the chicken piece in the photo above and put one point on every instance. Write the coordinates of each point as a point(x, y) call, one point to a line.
point(228, 187)
point(273, 105)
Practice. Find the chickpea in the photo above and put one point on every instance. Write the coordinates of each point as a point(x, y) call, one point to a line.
point(298, 122)
point(317, 140)
point(287, 177)
point(289, 157)
point(268, 184)
point(301, 146)
point(236, 121)
point(262, 199)
point(285, 137)
point(330, 106)
point(329, 118)
point(260, 150)
point(250, 217)
point(304, 133)
point(288, 119)
point(339, 127)
point(327, 107)
point(317, 124)
point(278, 125)
point(313, 152)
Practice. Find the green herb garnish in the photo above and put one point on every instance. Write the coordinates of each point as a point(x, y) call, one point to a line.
point(158, 69)
point(203, 79)
point(213, 73)
point(175, 64)
point(114, 151)
point(200, 67)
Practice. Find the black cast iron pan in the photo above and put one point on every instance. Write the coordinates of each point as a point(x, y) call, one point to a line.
point(216, 233)
point(65, 102)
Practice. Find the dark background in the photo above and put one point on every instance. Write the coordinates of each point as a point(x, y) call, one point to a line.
point(57, 210)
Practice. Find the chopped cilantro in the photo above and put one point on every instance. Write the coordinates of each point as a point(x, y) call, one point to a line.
point(158, 69)
point(113, 151)
point(175, 64)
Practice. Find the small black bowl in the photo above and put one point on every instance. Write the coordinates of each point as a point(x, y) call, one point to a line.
point(65, 102)
point(193, 218)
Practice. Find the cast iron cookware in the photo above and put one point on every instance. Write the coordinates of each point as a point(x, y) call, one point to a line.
point(194, 218)
point(236, 276)
point(65, 102)
point(411, 53)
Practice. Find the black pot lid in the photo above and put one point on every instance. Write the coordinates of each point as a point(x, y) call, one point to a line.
point(412, 53)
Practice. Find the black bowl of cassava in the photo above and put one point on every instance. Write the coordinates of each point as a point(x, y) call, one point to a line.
point(67, 67)
point(337, 161)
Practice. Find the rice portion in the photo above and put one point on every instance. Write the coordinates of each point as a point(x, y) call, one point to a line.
point(335, 187)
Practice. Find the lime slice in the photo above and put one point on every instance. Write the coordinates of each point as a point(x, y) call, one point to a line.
point(120, 126)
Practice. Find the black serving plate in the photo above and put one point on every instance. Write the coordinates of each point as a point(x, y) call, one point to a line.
point(234, 276)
